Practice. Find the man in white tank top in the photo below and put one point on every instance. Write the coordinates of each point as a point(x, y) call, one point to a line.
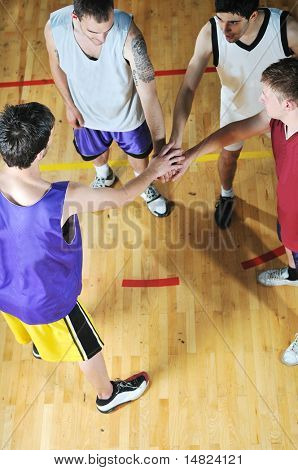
point(99, 62)
point(244, 41)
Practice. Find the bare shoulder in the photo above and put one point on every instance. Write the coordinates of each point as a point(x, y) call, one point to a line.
point(292, 33)
point(134, 36)
point(204, 40)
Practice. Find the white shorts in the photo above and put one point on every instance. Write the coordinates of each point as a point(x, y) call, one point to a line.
point(228, 115)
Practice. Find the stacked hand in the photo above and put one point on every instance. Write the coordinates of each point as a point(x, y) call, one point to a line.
point(177, 171)
point(167, 162)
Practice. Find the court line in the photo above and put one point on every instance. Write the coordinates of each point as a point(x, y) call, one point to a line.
point(169, 281)
point(80, 165)
point(264, 258)
point(158, 73)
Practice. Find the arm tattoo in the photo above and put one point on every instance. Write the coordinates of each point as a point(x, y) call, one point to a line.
point(144, 67)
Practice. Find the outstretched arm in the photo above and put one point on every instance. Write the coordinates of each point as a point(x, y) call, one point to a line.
point(80, 198)
point(194, 73)
point(135, 52)
point(240, 130)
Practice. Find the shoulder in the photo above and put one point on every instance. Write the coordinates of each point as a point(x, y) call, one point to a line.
point(122, 20)
point(292, 30)
point(204, 40)
point(61, 18)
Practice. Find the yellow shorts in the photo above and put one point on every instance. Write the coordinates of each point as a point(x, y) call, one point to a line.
point(73, 338)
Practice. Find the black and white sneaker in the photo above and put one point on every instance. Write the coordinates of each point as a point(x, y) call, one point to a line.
point(223, 211)
point(35, 352)
point(124, 391)
point(157, 204)
point(99, 182)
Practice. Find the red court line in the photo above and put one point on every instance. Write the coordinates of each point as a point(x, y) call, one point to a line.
point(264, 258)
point(170, 281)
point(158, 73)
point(26, 83)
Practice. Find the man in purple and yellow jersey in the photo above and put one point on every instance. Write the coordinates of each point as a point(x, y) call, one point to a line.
point(41, 251)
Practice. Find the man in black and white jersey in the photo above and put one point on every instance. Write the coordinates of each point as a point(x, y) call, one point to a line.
point(243, 40)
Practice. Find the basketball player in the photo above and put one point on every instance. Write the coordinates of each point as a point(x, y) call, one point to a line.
point(41, 252)
point(100, 65)
point(280, 116)
point(243, 40)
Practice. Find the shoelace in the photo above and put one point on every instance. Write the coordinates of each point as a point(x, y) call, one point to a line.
point(151, 192)
point(124, 385)
point(100, 180)
point(279, 273)
point(295, 343)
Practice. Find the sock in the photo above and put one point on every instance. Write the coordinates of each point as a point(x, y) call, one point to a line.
point(227, 192)
point(102, 171)
point(293, 275)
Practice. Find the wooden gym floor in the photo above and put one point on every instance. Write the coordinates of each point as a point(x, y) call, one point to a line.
point(211, 344)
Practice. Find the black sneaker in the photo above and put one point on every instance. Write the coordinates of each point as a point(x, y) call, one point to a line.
point(35, 352)
point(223, 211)
point(124, 391)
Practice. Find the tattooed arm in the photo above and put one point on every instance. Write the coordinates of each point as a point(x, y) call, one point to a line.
point(135, 52)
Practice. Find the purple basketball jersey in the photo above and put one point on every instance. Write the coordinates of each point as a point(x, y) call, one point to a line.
point(40, 274)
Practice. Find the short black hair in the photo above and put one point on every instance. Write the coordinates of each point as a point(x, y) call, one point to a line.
point(282, 78)
point(25, 130)
point(99, 9)
point(244, 8)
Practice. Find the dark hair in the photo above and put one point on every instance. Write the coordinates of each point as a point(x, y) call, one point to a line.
point(99, 9)
point(25, 130)
point(244, 8)
point(282, 78)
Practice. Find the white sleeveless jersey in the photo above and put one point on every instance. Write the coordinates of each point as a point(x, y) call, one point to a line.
point(103, 90)
point(240, 66)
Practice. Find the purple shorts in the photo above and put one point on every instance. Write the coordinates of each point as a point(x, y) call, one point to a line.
point(91, 143)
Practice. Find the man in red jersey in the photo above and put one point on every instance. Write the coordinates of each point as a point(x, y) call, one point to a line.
point(280, 116)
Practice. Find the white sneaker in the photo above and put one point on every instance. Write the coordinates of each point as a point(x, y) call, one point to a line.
point(276, 277)
point(290, 356)
point(100, 182)
point(156, 203)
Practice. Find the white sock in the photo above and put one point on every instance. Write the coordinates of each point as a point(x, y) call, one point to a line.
point(102, 171)
point(227, 192)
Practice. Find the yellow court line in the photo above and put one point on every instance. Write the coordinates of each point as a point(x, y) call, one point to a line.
point(119, 163)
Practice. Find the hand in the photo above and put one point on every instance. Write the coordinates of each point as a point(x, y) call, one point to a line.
point(163, 164)
point(172, 145)
point(74, 117)
point(183, 167)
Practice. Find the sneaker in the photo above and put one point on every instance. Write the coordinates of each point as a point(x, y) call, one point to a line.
point(124, 391)
point(99, 182)
point(156, 203)
point(35, 352)
point(276, 277)
point(290, 356)
point(223, 211)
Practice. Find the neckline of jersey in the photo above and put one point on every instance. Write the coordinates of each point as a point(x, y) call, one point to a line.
point(260, 35)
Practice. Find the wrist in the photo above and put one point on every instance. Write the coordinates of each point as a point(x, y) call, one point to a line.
point(158, 144)
point(176, 139)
